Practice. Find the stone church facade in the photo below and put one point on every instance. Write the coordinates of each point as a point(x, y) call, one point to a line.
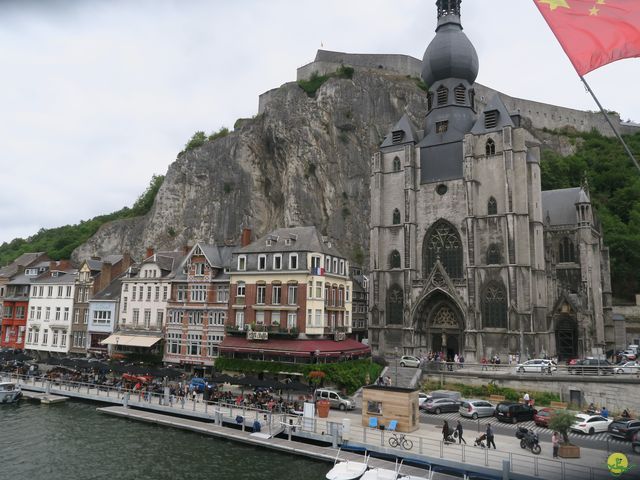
point(467, 254)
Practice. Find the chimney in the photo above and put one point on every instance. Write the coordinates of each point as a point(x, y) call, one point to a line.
point(149, 252)
point(245, 238)
point(53, 265)
point(105, 277)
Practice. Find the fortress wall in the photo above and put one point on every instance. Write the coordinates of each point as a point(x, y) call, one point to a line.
point(540, 115)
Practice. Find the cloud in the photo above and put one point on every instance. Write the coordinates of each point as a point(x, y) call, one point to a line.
point(97, 96)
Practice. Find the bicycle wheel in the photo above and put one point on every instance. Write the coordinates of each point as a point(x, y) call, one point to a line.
point(393, 441)
point(407, 444)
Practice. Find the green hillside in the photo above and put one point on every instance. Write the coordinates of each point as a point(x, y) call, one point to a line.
point(614, 184)
point(61, 241)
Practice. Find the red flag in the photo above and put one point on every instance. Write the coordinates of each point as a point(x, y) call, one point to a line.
point(594, 32)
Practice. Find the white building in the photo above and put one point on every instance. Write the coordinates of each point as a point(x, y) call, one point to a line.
point(51, 309)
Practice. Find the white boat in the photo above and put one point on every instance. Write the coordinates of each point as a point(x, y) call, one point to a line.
point(429, 476)
point(382, 473)
point(347, 469)
point(9, 392)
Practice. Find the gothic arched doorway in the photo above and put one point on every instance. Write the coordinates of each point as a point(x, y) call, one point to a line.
point(566, 337)
point(438, 324)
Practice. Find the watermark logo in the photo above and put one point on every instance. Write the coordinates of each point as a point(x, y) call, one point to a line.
point(618, 463)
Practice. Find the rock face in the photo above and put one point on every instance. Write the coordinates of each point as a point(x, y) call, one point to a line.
point(302, 161)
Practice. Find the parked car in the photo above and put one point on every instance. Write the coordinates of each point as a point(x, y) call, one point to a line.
point(624, 428)
point(537, 365)
point(198, 384)
point(629, 354)
point(409, 361)
point(591, 366)
point(542, 417)
point(590, 424)
point(439, 405)
point(476, 408)
point(336, 399)
point(444, 394)
point(627, 367)
point(513, 412)
point(422, 397)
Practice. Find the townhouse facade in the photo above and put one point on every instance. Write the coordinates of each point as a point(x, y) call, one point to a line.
point(290, 299)
point(197, 308)
point(50, 310)
point(360, 304)
point(103, 317)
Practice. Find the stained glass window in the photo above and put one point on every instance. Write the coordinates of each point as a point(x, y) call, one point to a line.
point(395, 302)
point(494, 306)
point(443, 243)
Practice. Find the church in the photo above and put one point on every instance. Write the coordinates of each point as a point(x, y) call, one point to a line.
point(467, 254)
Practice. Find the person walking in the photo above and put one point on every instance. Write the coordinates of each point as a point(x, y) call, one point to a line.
point(526, 398)
point(555, 442)
point(445, 431)
point(460, 431)
point(604, 412)
point(490, 437)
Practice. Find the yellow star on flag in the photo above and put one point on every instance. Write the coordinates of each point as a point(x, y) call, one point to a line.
point(600, 2)
point(553, 4)
point(594, 11)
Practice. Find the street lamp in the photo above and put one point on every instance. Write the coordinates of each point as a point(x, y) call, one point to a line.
point(317, 352)
point(395, 350)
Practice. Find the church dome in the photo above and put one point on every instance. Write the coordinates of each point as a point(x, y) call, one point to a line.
point(450, 54)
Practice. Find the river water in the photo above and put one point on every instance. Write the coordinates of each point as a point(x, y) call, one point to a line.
point(72, 441)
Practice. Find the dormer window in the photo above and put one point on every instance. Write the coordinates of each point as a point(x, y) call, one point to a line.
point(490, 147)
point(490, 119)
point(441, 127)
point(269, 242)
point(287, 241)
point(460, 94)
point(397, 136)
point(443, 95)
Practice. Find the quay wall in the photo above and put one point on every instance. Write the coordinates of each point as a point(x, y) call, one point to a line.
point(615, 393)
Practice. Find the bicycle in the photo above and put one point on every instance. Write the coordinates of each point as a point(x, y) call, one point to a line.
point(400, 441)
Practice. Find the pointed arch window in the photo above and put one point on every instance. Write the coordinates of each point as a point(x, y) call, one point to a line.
point(443, 243)
point(494, 305)
point(490, 147)
point(395, 304)
point(567, 250)
point(394, 259)
point(429, 101)
point(443, 95)
point(494, 257)
point(396, 164)
point(396, 217)
point(460, 94)
point(492, 206)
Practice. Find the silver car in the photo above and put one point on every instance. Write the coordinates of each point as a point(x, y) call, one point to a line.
point(476, 408)
point(627, 367)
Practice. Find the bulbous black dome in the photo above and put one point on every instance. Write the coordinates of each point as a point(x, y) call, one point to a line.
point(450, 54)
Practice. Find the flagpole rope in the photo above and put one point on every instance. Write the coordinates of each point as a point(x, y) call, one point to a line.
point(624, 144)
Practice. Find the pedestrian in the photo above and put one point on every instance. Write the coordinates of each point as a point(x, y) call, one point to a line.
point(555, 441)
point(526, 398)
point(490, 437)
point(604, 413)
point(460, 430)
point(484, 363)
point(445, 431)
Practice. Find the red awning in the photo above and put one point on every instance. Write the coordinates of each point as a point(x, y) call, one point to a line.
point(298, 348)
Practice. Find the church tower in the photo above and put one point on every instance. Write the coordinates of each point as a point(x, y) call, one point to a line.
point(457, 258)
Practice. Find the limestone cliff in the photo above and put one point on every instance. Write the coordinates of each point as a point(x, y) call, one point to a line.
point(301, 161)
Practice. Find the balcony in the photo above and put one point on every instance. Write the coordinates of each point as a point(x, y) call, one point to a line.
point(274, 331)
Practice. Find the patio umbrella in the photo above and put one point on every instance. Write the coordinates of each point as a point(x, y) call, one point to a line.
point(295, 386)
point(223, 378)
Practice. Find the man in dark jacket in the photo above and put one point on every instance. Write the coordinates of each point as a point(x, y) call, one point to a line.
point(459, 430)
point(490, 437)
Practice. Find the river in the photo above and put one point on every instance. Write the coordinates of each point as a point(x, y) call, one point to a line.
point(72, 441)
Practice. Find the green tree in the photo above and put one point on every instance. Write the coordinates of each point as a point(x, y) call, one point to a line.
point(561, 422)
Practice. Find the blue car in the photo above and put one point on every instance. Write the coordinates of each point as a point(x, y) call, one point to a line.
point(198, 383)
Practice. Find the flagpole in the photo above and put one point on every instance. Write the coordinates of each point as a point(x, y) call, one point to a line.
point(624, 144)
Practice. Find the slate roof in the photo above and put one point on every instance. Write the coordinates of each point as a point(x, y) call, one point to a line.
point(94, 265)
point(26, 259)
point(65, 277)
point(218, 256)
point(559, 206)
point(111, 291)
point(403, 125)
point(504, 119)
point(305, 239)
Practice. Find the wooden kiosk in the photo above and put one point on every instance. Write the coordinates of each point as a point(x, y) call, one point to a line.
point(391, 403)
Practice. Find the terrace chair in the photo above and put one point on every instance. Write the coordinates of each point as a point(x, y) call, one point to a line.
point(393, 424)
point(373, 422)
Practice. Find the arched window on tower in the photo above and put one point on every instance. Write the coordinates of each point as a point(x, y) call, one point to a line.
point(494, 306)
point(460, 94)
point(443, 243)
point(396, 164)
point(429, 101)
point(567, 251)
point(395, 304)
point(494, 257)
point(492, 206)
point(443, 95)
point(490, 147)
point(396, 217)
point(394, 259)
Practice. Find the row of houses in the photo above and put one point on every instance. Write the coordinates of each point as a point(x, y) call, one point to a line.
point(288, 296)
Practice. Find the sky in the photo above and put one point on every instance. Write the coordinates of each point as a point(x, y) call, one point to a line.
point(96, 96)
